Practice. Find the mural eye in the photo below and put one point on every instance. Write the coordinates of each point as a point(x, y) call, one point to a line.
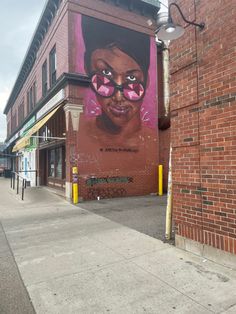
point(131, 78)
point(106, 72)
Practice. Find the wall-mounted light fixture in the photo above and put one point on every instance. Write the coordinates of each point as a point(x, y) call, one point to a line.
point(167, 29)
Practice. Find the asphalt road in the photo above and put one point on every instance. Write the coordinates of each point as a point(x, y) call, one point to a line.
point(13, 295)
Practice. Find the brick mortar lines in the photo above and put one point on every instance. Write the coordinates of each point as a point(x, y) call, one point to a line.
point(199, 138)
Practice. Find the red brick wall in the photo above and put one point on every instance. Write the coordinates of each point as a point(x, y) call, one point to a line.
point(203, 124)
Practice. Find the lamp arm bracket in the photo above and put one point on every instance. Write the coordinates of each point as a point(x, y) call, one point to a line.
point(200, 25)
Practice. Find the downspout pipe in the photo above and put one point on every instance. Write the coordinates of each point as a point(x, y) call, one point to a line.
point(164, 119)
point(164, 123)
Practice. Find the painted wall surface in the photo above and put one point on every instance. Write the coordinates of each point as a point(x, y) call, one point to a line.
point(117, 139)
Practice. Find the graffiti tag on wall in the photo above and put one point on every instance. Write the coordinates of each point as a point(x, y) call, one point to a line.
point(94, 181)
point(119, 150)
point(106, 193)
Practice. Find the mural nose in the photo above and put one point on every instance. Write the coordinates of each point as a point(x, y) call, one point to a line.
point(118, 95)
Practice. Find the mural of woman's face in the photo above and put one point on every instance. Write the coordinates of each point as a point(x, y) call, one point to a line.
point(115, 65)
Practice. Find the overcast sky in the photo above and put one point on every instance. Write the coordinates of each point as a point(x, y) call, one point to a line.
point(18, 20)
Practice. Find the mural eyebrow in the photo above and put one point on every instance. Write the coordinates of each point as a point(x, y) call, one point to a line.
point(106, 64)
point(134, 70)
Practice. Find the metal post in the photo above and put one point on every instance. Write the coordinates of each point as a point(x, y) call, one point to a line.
point(75, 185)
point(36, 179)
point(160, 180)
point(11, 179)
point(14, 177)
point(17, 186)
point(23, 189)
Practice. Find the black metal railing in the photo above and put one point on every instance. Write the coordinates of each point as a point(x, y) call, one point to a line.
point(16, 179)
point(36, 174)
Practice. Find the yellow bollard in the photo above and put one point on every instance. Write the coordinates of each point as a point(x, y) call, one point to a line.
point(75, 187)
point(160, 180)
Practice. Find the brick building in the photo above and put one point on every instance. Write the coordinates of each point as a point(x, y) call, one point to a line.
point(203, 128)
point(86, 96)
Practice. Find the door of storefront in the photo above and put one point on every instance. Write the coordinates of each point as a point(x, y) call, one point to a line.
point(55, 170)
point(52, 167)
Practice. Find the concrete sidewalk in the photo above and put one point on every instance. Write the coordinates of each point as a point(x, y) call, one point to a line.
point(74, 261)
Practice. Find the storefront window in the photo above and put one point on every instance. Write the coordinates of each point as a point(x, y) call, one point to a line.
point(51, 172)
point(58, 162)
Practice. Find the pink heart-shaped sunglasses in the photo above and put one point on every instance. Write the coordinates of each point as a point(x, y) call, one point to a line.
point(106, 87)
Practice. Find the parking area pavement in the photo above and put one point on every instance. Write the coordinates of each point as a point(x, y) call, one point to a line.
point(145, 214)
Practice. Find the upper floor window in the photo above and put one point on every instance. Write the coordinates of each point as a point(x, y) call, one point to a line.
point(21, 113)
point(44, 78)
point(31, 97)
point(34, 94)
point(8, 128)
point(13, 122)
point(53, 66)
